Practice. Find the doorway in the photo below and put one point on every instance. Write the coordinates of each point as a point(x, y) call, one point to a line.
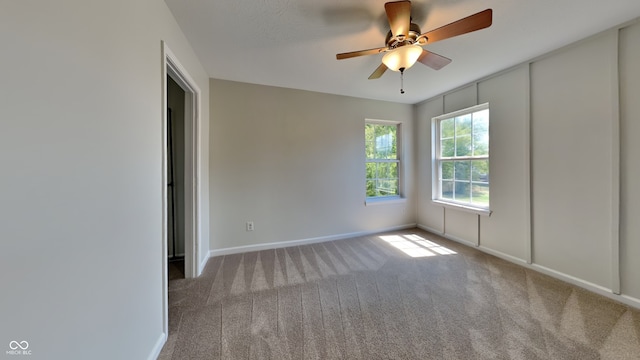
point(175, 180)
point(184, 117)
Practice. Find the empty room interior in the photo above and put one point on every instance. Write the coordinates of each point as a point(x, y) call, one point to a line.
point(427, 179)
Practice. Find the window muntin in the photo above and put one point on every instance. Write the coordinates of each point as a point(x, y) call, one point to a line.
point(461, 157)
point(382, 159)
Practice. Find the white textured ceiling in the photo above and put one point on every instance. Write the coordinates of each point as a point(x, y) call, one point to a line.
point(293, 43)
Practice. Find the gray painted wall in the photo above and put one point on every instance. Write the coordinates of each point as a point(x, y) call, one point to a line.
point(81, 152)
point(293, 162)
point(554, 164)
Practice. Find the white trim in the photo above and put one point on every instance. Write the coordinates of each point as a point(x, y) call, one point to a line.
point(600, 290)
point(164, 201)
point(193, 239)
point(478, 229)
point(203, 262)
point(464, 111)
point(385, 200)
point(465, 208)
point(572, 279)
point(615, 163)
point(448, 236)
point(436, 184)
point(503, 256)
point(400, 161)
point(171, 66)
point(382, 122)
point(629, 300)
point(430, 229)
point(157, 348)
point(283, 244)
point(527, 167)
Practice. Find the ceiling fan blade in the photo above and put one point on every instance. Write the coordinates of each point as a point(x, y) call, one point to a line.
point(471, 23)
point(360, 53)
point(378, 72)
point(433, 60)
point(399, 15)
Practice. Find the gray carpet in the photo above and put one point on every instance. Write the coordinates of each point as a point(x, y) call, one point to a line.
point(402, 295)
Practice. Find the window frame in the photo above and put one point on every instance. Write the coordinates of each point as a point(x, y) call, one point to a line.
point(436, 160)
point(373, 200)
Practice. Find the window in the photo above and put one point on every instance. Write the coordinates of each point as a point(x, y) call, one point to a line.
point(461, 158)
point(383, 159)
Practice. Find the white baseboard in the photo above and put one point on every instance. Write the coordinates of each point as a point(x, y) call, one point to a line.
point(503, 256)
point(430, 229)
point(281, 244)
point(203, 263)
point(157, 348)
point(629, 300)
point(601, 290)
point(448, 236)
point(625, 299)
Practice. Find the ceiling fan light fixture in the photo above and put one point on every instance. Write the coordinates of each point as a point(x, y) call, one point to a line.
point(402, 57)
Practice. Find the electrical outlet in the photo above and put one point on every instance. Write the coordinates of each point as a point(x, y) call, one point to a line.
point(249, 225)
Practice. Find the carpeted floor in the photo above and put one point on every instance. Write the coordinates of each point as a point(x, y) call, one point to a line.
point(364, 298)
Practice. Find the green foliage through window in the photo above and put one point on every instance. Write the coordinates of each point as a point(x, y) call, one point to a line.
point(382, 168)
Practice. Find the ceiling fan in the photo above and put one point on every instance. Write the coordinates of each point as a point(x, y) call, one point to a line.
point(404, 39)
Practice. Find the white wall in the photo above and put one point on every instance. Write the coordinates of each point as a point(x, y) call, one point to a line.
point(293, 162)
point(80, 150)
point(571, 108)
point(554, 164)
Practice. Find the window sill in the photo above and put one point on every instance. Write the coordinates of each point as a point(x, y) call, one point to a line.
point(465, 208)
point(385, 200)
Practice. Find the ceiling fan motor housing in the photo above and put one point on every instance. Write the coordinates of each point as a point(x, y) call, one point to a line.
point(401, 40)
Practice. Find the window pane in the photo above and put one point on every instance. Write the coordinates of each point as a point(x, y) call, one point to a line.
point(481, 118)
point(385, 141)
point(383, 170)
point(463, 191)
point(463, 125)
point(380, 141)
point(381, 144)
point(447, 148)
point(371, 170)
point(480, 170)
point(481, 194)
point(446, 128)
point(447, 190)
point(370, 141)
point(371, 188)
point(446, 170)
point(462, 170)
point(393, 170)
point(463, 145)
point(480, 143)
point(387, 187)
point(370, 149)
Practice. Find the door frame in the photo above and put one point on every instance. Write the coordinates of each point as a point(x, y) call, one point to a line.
point(172, 67)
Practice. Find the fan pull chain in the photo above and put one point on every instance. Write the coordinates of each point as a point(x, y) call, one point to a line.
point(402, 81)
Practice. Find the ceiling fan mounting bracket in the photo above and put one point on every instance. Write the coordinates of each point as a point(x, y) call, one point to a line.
point(414, 36)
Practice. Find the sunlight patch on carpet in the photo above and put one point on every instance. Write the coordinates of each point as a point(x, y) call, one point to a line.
point(416, 246)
